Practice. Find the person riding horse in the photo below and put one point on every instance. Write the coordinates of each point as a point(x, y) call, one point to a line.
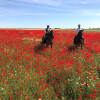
point(48, 37)
point(79, 40)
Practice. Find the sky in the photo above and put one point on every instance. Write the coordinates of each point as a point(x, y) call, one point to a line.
point(56, 13)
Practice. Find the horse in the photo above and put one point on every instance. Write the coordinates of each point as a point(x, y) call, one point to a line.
point(79, 40)
point(48, 39)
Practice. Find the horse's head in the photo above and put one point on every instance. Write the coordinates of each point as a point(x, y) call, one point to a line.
point(51, 31)
point(51, 34)
point(81, 31)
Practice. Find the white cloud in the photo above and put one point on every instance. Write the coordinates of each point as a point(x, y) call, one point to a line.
point(45, 2)
point(33, 14)
point(23, 14)
point(97, 14)
point(26, 8)
point(84, 2)
point(8, 25)
point(90, 12)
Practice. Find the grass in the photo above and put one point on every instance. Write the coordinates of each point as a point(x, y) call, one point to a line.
point(49, 74)
point(92, 30)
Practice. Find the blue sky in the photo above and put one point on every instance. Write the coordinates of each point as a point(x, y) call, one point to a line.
point(56, 13)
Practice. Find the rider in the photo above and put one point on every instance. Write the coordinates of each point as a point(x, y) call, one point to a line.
point(78, 29)
point(47, 30)
point(79, 34)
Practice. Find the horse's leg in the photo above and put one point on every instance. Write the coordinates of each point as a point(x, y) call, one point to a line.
point(46, 44)
point(51, 44)
point(76, 47)
point(81, 46)
point(82, 43)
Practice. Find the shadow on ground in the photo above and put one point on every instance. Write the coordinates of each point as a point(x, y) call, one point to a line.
point(71, 48)
point(98, 70)
point(38, 48)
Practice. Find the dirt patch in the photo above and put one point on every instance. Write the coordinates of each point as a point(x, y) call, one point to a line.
point(32, 39)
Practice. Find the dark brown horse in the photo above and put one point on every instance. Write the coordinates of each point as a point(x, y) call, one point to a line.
point(79, 40)
point(48, 39)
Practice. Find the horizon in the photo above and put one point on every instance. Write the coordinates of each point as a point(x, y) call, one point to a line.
point(56, 13)
point(44, 28)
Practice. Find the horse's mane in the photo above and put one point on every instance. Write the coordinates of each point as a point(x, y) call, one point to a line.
point(81, 31)
point(51, 31)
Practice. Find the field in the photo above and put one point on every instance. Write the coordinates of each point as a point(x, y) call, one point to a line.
point(92, 30)
point(31, 72)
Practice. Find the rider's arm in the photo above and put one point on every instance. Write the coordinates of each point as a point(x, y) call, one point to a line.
point(45, 31)
point(77, 30)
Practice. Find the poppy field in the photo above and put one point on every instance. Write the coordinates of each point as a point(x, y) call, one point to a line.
point(29, 71)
